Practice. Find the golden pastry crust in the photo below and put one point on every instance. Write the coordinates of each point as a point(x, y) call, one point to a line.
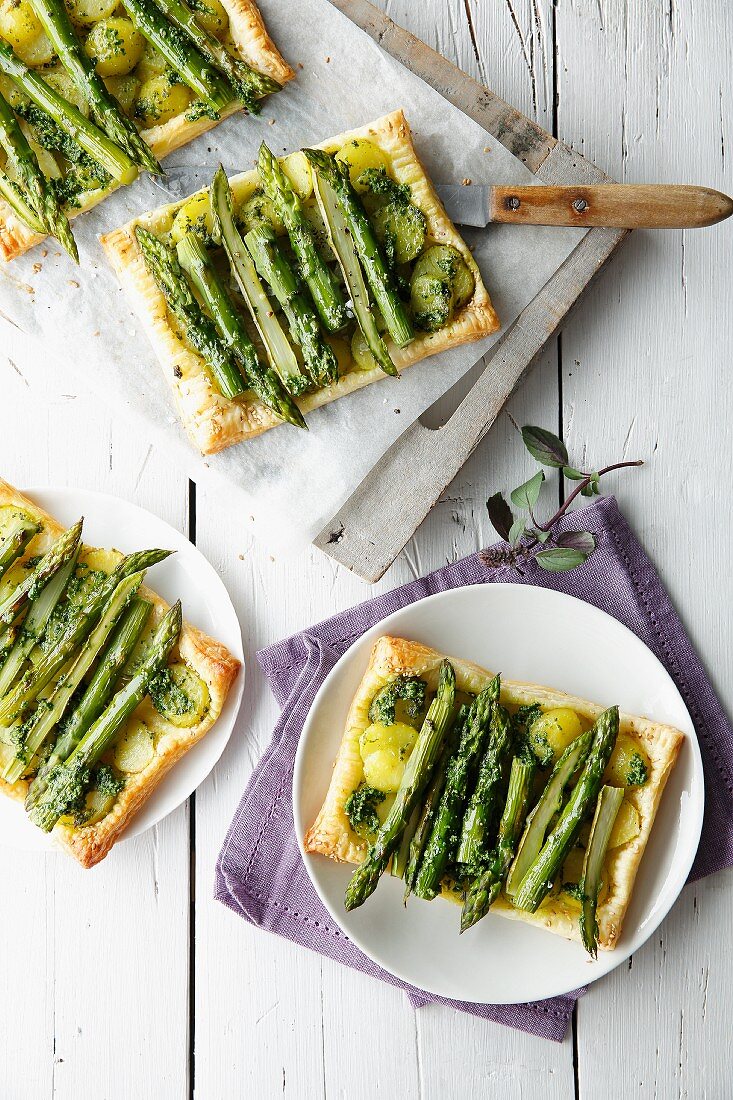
point(254, 45)
point(207, 657)
point(331, 833)
point(214, 422)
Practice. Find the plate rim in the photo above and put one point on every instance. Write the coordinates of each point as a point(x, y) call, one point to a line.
point(236, 694)
point(383, 626)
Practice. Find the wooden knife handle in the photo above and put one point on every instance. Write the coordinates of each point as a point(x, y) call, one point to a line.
point(617, 205)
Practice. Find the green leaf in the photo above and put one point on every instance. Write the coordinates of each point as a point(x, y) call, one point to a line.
point(572, 474)
point(500, 515)
point(526, 496)
point(560, 560)
point(517, 530)
point(584, 541)
point(547, 448)
point(541, 536)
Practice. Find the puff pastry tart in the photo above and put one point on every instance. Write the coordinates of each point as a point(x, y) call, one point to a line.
point(535, 803)
point(102, 686)
point(102, 89)
point(345, 267)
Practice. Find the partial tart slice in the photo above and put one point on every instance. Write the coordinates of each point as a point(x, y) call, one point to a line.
point(385, 146)
point(651, 745)
point(186, 703)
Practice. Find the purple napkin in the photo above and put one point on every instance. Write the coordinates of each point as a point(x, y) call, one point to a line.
point(260, 873)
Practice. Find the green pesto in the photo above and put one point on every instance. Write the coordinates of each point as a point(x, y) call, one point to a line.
point(637, 773)
point(169, 697)
point(106, 782)
point(361, 809)
point(411, 689)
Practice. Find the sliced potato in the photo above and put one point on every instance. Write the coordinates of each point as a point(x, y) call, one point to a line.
point(115, 45)
point(384, 752)
point(135, 749)
point(8, 515)
point(152, 63)
point(360, 154)
point(58, 78)
point(97, 805)
point(627, 825)
point(159, 101)
point(212, 15)
point(363, 358)
point(87, 12)
point(195, 215)
point(342, 350)
point(552, 732)
point(124, 89)
point(180, 695)
point(298, 170)
point(629, 764)
point(258, 210)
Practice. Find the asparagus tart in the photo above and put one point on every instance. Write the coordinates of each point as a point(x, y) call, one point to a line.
point(103, 687)
point(495, 794)
point(94, 91)
point(284, 288)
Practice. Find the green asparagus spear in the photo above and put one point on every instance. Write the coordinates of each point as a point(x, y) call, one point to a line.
point(200, 330)
point(105, 108)
point(474, 844)
point(417, 776)
point(15, 198)
point(607, 808)
point(344, 247)
point(181, 54)
point(273, 267)
point(31, 736)
point(314, 271)
point(370, 254)
point(97, 695)
point(67, 782)
point(196, 262)
point(425, 824)
point(36, 188)
point(64, 548)
point(248, 84)
point(26, 691)
point(538, 879)
point(34, 624)
point(20, 533)
point(483, 891)
point(82, 130)
point(549, 804)
point(445, 833)
point(279, 352)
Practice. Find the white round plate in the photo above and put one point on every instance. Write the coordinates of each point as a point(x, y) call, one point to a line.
point(185, 575)
point(542, 637)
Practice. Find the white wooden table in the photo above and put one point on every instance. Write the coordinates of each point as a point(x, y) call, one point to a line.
point(129, 981)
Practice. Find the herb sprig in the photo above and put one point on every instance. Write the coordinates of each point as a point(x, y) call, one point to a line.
point(526, 536)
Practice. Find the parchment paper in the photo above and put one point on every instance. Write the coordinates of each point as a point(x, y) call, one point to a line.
point(291, 481)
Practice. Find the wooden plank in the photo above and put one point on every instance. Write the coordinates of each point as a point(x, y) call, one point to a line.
point(378, 518)
point(96, 962)
point(646, 364)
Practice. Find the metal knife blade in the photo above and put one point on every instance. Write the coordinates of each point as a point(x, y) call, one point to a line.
point(466, 204)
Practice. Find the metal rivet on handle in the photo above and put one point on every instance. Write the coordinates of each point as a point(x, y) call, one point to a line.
point(511, 202)
point(580, 205)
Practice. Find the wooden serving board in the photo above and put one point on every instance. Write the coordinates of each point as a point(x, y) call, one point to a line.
point(379, 518)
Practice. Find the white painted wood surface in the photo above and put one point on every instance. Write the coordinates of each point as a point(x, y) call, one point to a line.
point(130, 981)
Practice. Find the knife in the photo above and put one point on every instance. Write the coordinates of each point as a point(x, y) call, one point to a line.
point(616, 205)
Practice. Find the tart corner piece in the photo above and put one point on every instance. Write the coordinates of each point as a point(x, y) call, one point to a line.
point(250, 41)
point(211, 662)
point(331, 833)
point(214, 422)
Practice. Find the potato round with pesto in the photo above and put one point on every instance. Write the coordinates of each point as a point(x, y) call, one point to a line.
point(151, 63)
point(124, 89)
point(21, 28)
point(441, 283)
point(363, 358)
point(360, 154)
point(87, 12)
point(195, 215)
point(115, 46)
point(58, 78)
point(258, 210)
point(385, 751)
point(180, 695)
point(9, 514)
point(212, 15)
point(551, 733)
point(627, 825)
point(159, 101)
point(298, 170)
point(629, 764)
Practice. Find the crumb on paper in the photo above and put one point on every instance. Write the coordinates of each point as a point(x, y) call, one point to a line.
point(328, 60)
point(271, 122)
point(300, 65)
point(73, 282)
point(252, 519)
point(36, 268)
point(466, 181)
point(97, 333)
point(487, 148)
point(241, 556)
